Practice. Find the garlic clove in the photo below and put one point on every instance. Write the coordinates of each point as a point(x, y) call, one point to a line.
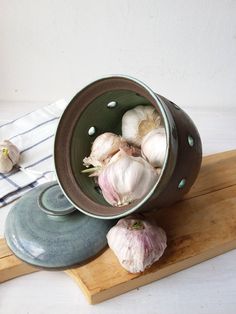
point(9, 156)
point(6, 164)
point(104, 146)
point(126, 178)
point(137, 122)
point(103, 149)
point(12, 151)
point(137, 243)
point(154, 146)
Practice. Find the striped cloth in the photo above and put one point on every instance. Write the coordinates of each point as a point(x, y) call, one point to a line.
point(33, 134)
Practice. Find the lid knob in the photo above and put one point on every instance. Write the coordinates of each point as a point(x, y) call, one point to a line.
point(53, 202)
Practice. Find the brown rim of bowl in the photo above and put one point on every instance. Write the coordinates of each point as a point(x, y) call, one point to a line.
point(69, 118)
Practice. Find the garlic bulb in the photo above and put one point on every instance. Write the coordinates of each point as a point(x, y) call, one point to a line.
point(153, 147)
point(137, 122)
point(126, 178)
point(9, 156)
point(137, 243)
point(103, 148)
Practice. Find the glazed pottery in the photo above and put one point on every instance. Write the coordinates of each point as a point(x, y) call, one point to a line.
point(45, 230)
point(99, 108)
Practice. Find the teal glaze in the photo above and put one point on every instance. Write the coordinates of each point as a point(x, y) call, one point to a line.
point(182, 184)
point(44, 230)
point(53, 202)
point(99, 108)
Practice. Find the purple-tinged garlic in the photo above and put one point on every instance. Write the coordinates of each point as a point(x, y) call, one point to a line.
point(139, 121)
point(126, 179)
point(9, 156)
point(103, 148)
point(137, 243)
point(154, 146)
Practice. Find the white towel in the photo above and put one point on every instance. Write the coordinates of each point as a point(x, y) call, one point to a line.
point(33, 134)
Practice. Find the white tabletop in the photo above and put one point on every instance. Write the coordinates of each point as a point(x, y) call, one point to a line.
point(209, 287)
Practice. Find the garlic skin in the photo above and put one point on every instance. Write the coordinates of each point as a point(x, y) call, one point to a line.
point(154, 147)
point(103, 148)
point(137, 243)
point(126, 178)
point(137, 122)
point(5, 163)
point(9, 156)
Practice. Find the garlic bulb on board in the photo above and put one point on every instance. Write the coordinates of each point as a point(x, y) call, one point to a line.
point(103, 148)
point(153, 147)
point(137, 243)
point(137, 122)
point(9, 156)
point(126, 178)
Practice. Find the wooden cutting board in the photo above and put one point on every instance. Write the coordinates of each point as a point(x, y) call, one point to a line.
point(201, 226)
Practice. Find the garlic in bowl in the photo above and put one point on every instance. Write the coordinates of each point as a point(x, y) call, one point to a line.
point(139, 121)
point(153, 147)
point(126, 179)
point(103, 148)
point(90, 114)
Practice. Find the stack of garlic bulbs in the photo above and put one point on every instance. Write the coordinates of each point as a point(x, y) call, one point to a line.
point(128, 166)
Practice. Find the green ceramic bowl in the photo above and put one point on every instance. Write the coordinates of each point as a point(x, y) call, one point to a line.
point(99, 108)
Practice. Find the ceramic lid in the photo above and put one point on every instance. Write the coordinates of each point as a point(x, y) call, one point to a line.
point(45, 230)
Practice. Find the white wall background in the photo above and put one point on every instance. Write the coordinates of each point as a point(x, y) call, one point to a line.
point(185, 50)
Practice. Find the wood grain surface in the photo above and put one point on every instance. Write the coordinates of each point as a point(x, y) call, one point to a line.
point(199, 227)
